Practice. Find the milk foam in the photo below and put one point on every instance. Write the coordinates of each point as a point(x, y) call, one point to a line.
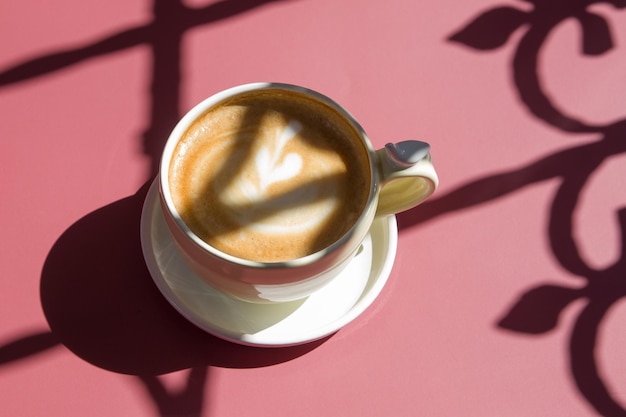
point(270, 178)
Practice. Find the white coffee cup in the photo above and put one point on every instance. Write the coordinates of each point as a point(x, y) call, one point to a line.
point(392, 179)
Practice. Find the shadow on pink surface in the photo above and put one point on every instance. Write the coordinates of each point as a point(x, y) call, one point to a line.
point(100, 301)
point(102, 304)
point(171, 20)
point(97, 294)
point(538, 309)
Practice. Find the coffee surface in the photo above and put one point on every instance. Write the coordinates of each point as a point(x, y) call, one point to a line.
point(270, 176)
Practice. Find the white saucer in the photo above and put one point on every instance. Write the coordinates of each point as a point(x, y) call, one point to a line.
point(282, 324)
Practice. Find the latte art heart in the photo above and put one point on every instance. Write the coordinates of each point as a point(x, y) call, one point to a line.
point(290, 166)
point(253, 206)
point(271, 168)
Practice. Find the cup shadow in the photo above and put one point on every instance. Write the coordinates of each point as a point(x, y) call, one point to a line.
point(102, 304)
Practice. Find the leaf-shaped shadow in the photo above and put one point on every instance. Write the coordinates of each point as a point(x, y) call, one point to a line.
point(491, 29)
point(596, 34)
point(538, 310)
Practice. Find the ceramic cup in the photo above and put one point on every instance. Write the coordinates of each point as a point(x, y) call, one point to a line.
point(280, 132)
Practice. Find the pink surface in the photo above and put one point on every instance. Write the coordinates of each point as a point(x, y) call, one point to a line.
point(507, 296)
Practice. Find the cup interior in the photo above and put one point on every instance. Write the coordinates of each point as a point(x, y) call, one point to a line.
point(318, 110)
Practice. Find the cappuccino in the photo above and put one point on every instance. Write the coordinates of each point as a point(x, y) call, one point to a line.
point(270, 176)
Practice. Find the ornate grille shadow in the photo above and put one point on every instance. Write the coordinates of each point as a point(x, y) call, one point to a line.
point(538, 309)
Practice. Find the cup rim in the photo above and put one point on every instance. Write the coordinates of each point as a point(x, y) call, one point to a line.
point(196, 111)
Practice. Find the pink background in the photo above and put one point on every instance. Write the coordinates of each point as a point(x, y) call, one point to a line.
point(507, 295)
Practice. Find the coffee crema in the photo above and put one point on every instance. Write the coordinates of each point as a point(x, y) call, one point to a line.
point(270, 176)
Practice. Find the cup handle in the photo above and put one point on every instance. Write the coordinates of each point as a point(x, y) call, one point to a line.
point(407, 175)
